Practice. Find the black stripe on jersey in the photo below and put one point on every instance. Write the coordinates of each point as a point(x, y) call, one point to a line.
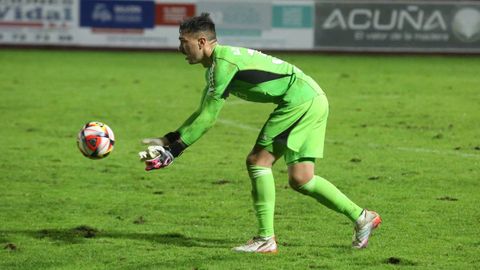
point(253, 76)
point(257, 76)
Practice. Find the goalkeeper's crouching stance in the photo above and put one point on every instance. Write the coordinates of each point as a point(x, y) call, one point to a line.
point(295, 130)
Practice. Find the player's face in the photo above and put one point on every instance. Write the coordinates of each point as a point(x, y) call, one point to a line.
point(191, 47)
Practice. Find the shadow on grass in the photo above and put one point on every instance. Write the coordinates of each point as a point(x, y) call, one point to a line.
point(79, 235)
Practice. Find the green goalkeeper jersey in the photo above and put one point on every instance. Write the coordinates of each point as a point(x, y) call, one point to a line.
point(249, 75)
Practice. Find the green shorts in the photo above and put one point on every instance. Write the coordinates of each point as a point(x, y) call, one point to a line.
point(296, 132)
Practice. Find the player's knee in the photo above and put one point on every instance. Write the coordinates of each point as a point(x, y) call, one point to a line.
point(297, 180)
point(260, 159)
point(251, 159)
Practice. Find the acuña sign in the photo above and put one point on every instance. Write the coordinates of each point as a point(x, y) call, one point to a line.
point(396, 26)
point(409, 17)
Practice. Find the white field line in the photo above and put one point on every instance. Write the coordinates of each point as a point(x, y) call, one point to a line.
point(440, 152)
point(238, 125)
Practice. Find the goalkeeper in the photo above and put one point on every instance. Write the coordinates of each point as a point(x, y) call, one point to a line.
point(294, 130)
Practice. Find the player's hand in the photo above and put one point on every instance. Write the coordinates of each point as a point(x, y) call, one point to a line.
point(156, 157)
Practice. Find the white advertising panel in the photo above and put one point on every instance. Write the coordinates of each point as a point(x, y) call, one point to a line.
point(52, 22)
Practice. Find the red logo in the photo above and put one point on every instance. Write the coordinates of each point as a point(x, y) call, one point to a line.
point(173, 14)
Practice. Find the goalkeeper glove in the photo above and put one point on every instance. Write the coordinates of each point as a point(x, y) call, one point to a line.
point(156, 157)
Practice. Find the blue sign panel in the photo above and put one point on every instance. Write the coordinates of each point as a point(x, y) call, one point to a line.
point(117, 14)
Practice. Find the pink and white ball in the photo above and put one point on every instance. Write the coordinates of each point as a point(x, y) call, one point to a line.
point(95, 140)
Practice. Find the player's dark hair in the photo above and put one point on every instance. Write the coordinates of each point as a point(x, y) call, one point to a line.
point(197, 24)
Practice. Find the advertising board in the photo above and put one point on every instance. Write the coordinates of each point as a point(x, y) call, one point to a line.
point(38, 23)
point(408, 26)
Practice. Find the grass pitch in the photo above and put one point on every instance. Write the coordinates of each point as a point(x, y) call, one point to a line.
point(403, 139)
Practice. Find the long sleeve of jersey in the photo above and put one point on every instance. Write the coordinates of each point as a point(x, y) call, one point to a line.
point(218, 77)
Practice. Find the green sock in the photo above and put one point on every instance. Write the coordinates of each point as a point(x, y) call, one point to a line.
point(330, 196)
point(263, 194)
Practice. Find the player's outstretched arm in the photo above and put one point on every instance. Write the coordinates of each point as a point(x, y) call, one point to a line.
point(164, 149)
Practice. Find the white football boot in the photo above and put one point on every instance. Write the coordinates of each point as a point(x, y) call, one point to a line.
point(364, 226)
point(259, 245)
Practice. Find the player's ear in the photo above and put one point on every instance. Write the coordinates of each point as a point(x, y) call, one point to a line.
point(201, 42)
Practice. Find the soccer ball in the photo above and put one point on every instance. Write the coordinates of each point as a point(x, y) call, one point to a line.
point(95, 140)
